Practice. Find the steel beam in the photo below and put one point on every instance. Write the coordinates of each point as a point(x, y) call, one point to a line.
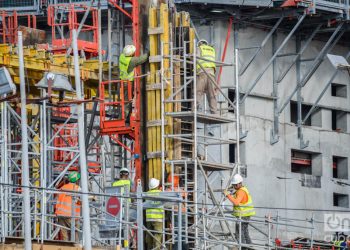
point(316, 63)
point(267, 65)
point(314, 106)
point(263, 43)
point(299, 54)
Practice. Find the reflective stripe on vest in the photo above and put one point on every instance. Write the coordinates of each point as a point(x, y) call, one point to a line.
point(244, 209)
point(122, 184)
point(155, 214)
point(208, 53)
point(64, 202)
point(124, 62)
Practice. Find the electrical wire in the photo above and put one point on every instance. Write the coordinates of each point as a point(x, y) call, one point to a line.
point(160, 198)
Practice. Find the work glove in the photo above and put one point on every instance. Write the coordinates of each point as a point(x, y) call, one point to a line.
point(226, 193)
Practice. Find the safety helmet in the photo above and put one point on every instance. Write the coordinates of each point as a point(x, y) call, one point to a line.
point(124, 170)
point(237, 178)
point(129, 50)
point(173, 179)
point(73, 177)
point(202, 41)
point(153, 183)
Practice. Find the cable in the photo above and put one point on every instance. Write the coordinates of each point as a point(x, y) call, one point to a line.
point(160, 198)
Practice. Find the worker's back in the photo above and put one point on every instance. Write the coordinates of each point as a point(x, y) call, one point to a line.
point(65, 206)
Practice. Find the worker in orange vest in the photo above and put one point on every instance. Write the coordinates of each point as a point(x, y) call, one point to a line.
point(174, 181)
point(68, 207)
point(243, 207)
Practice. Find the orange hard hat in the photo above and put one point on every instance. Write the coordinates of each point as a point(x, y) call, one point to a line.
point(174, 179)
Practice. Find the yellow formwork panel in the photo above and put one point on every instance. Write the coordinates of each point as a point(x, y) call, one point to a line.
point(165, 39)
point(151, 96)
point(40, 61)
point(185, 19)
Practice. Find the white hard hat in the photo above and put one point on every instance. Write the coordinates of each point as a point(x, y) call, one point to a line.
point(153, 183)
point(124, 170)
point(202, 41)
point(237, 178)
point(129, 50)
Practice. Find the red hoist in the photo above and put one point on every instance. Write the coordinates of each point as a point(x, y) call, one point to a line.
point(113, 116)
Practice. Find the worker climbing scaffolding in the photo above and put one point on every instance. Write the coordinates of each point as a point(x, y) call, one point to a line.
point(206, 69)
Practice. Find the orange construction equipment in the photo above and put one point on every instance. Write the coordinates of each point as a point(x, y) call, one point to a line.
point(117, 127)
point(290, 3)
point(57, 13)
point(9, 25)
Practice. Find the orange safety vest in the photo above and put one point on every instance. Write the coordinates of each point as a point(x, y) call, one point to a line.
point(64, 202)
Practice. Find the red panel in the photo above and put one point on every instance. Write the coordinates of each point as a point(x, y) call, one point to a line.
point(300, 161)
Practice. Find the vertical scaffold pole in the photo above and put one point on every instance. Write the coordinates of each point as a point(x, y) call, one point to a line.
point(25, 160)
point(82, 150)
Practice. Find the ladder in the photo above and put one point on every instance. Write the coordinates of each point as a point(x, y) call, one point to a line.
point(188, 161)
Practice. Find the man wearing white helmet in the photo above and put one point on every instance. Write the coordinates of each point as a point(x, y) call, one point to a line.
point(127, 63)
point(154, 217)
point(242, 207)
point(204, 79)
point(123, 180)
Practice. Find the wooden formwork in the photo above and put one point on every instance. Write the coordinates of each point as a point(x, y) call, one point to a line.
point(161, 26)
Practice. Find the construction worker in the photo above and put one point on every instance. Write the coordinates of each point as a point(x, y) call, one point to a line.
point(242, 207)
point(174, 181)
point(123, 180)
point(67, 208)
point(154, 217)
point(127, 63)
point(205, 75)
point(345, 245)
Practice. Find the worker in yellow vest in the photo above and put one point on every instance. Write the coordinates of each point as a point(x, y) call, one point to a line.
point(242, 207)
point(123, 181)
point(127, 63)
point(205, 75)
point(154, 217)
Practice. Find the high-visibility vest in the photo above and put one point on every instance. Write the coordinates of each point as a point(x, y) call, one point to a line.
point(124, 62)
point(155, 214)
point(64, 205)
point(244, 209)
point(122, 184)
point(208, 53)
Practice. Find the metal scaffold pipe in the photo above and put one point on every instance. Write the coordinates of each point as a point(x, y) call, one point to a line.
point(25, 160)
point(82, 150)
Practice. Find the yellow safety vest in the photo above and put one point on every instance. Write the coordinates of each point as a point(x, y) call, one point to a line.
point(244, 209)
point(124, 62)
point(122, 184)
point(154, 214)
point(208, 53)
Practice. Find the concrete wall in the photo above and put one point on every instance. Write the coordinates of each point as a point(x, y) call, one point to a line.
point(269, 176)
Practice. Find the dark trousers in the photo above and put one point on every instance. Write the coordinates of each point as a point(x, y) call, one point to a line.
point(245, 237)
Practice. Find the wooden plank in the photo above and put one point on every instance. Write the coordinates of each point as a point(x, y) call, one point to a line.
point(155, 123)
point(155, 31)
point(154, 86)
point(155, 59)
